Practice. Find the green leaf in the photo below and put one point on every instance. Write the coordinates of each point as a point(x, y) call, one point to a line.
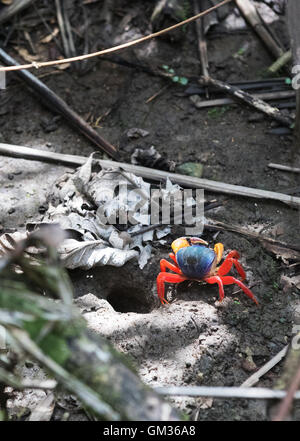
point(183, 81)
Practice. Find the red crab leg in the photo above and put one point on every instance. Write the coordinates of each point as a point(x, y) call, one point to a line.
point(169, 278)
point(218, 280)
point(228, 280)
point(172, 256)
point(230, 260)
point(164, 264)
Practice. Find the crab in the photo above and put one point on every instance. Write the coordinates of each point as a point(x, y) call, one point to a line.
point(194, 260)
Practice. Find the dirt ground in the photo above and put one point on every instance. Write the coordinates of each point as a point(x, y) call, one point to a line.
point(196, 340)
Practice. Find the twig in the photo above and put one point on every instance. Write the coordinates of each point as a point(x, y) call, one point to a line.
point(217, 225)
point(280, 62)
point(249, 99)
point(250, 14)
point(256, 393)
point(284, 167)
point(116, 48)
point(14, 8)
point(59, 105)
point(202, 46)
point(155, 95)
point(71, 44)
point(151, 174)
point(265, 368)
point(62, 28)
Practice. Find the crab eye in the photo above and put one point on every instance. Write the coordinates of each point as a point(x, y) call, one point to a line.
point(179, 243)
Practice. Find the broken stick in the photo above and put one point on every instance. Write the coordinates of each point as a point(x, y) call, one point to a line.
point(280, 62)
point(249, 99)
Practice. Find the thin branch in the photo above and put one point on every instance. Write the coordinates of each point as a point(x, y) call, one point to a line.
point(284, 167)
point(257, 393)
point(62, 28)
point(202, 46)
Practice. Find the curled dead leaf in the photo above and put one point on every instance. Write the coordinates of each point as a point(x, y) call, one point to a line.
point(8, 241)
point(87, 254)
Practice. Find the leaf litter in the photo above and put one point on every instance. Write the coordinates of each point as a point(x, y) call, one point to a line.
point(91, 207)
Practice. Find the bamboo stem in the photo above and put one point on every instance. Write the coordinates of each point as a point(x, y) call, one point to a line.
point(249, 12)
point(149, 173)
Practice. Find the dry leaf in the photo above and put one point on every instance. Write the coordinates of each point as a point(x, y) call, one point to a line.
point(288, 283)
point(87, 254)
point(44, 410)
point(50, 37)
point(205, 403)
point(283, 253)
point(63, 66)
point(88, 205)
point(8, 241)
point(26, 55)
